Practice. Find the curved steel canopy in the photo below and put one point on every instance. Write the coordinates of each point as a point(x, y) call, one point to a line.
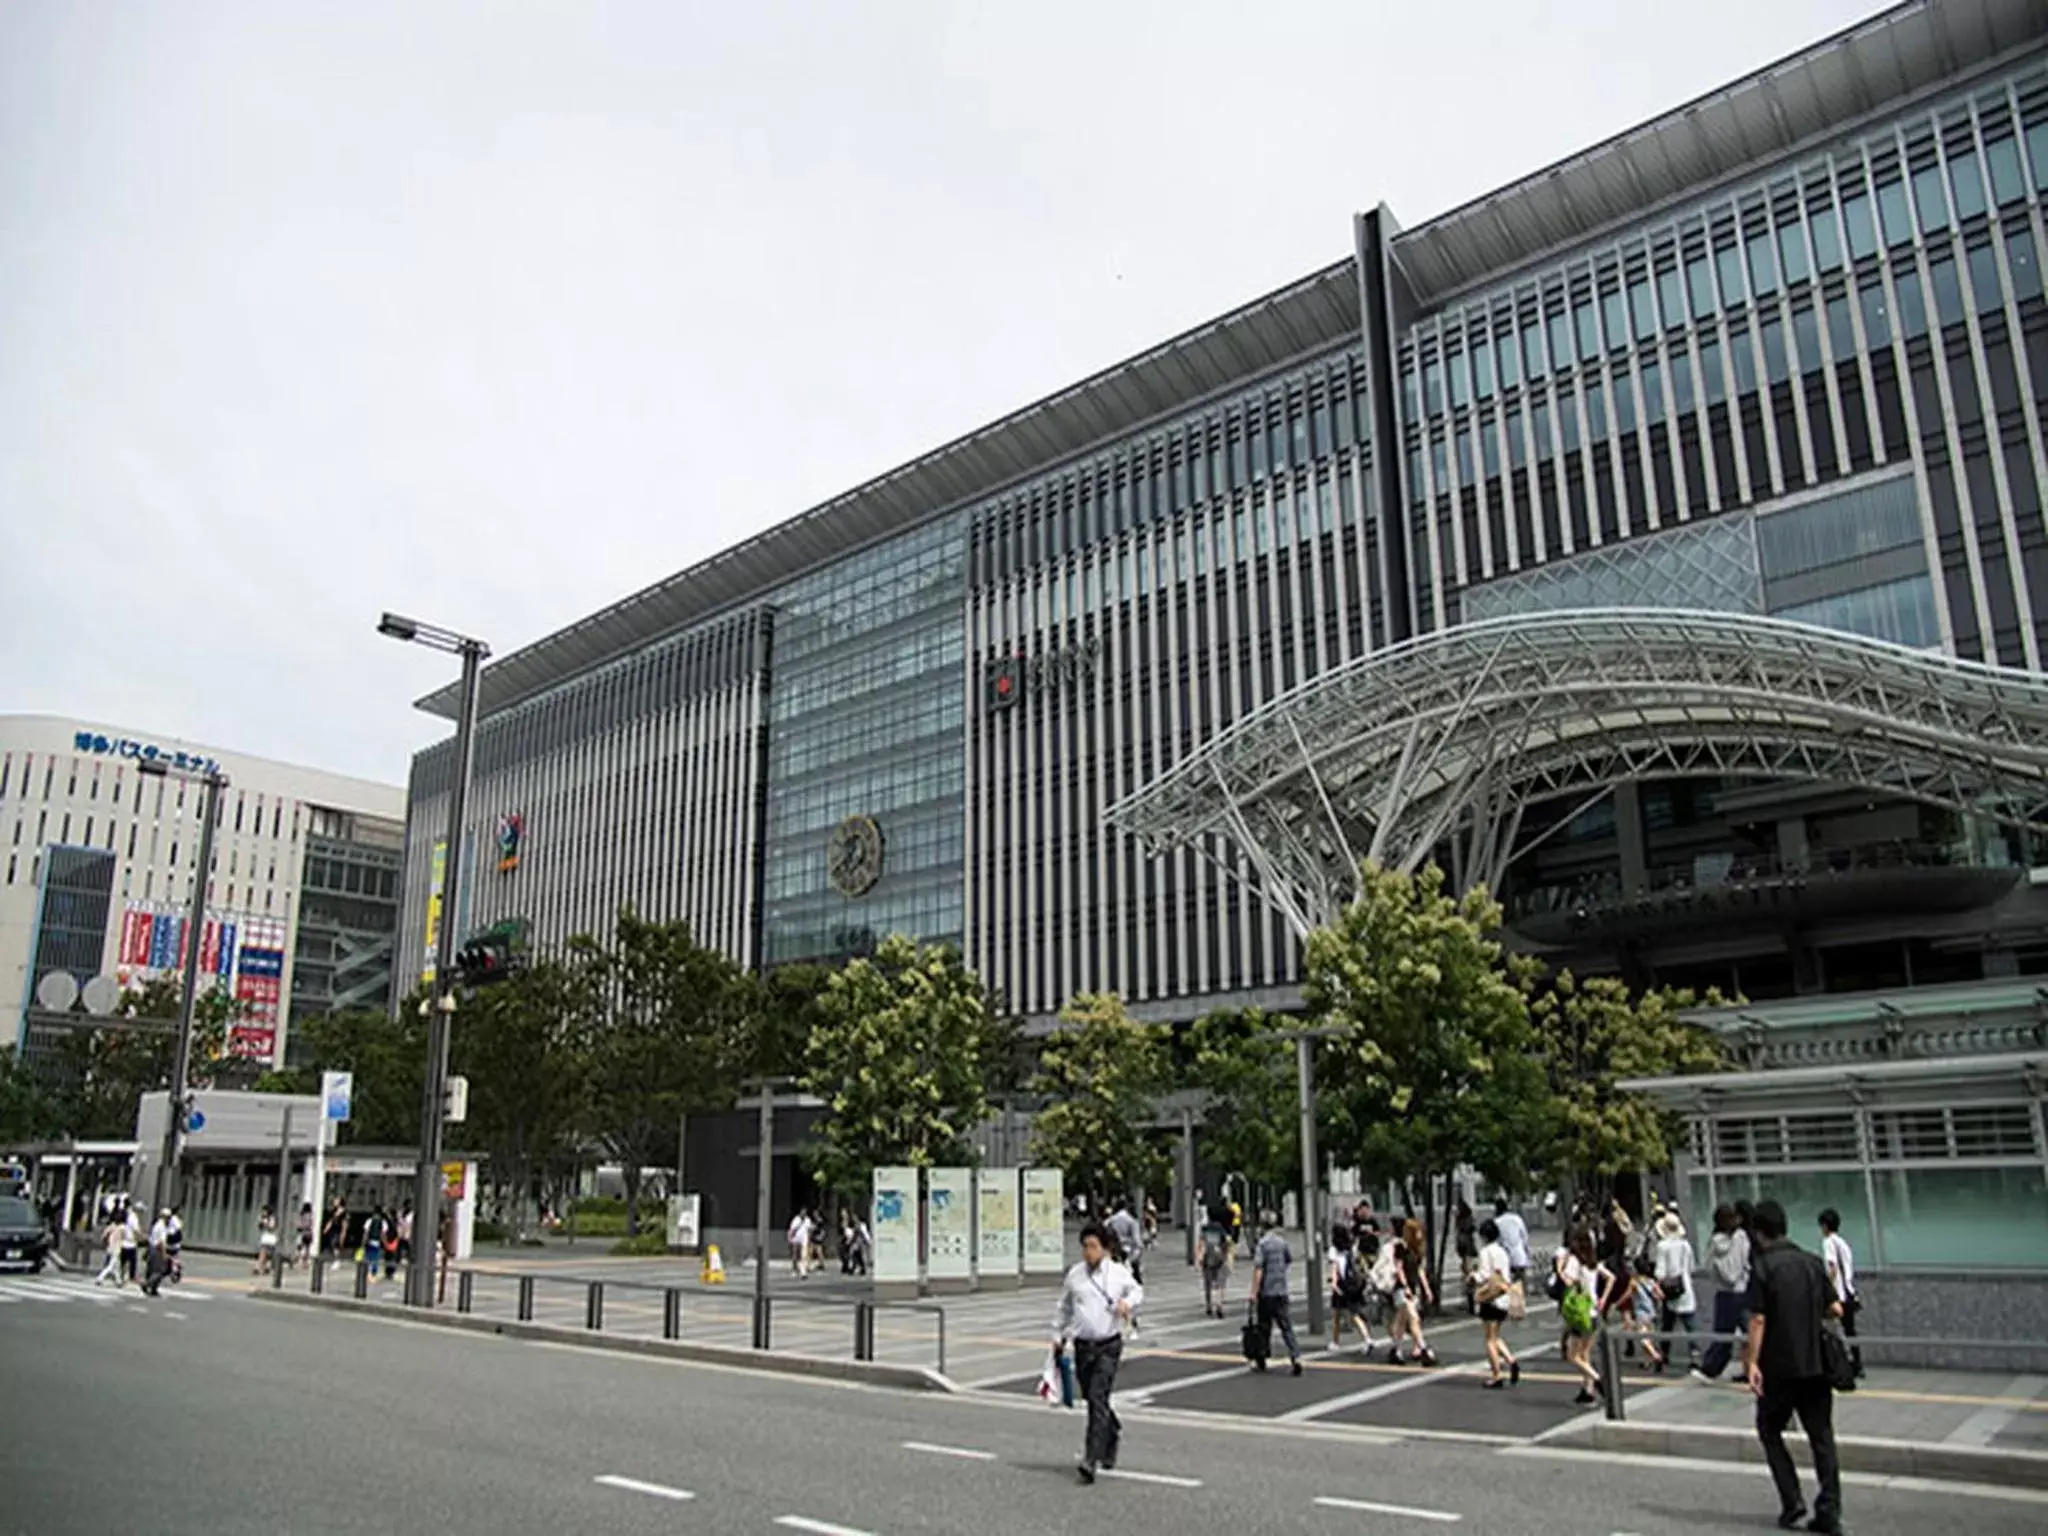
point(1448, 738)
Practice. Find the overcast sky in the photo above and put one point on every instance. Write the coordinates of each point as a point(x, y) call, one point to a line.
point(494, 313)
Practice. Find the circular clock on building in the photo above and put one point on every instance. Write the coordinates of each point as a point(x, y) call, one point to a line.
point(854, 856)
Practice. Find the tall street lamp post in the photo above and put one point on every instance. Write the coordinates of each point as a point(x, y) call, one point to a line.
point(181, 1053)
point(426, 1200)
point(1311, 1179)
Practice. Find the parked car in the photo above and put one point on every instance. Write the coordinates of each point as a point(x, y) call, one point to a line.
point(24, 1240)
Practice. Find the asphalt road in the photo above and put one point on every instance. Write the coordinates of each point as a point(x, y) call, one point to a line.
point(226, 1415)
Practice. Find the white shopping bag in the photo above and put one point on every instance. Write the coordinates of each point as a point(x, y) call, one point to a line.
point(1049, 1380)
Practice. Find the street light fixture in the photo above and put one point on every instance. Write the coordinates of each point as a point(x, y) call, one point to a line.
point(1311, 1173)
point(181, 1052)
point(426, 1201)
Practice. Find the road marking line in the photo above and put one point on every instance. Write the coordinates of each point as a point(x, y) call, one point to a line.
point(1366, 1507)
point(960, 1451)
point(143, 1310)
point(1983, 1426)
point(1160, 1478)
point(1142, 1396)
point(1424, 1376)
point(634, 1485)
point(818, 1527)
point(177, 1317)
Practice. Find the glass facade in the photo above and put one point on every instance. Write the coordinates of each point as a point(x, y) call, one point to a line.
point(1149, 595)
point(1918, 1184)
point(1875, 305)
point(71, 924)
point(865, 716)
point(344, 946)
point(1852, 559)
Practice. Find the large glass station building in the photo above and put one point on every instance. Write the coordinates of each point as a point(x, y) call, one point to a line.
point(1782, 352)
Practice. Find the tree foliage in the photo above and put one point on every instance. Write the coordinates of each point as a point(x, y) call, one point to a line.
point(1436, 1063)
point(899, 1052)
point(1252, 1124)
point(386, 1056)
point(30, 1109)
point(1592, 1035)
point(1101, 1075)
point(788, 1006)
point(521, 1045)
point(91, 1084)
point(666, 1033)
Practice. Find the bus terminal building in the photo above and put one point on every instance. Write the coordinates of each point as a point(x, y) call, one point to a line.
point(1659, 538)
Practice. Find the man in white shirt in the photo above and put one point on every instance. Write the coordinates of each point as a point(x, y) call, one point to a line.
point(1841, 1267)
point(1099, 1297)
point(131, 1239)
point(159, 1262)
point(800, 1244)
point(1514, 1238)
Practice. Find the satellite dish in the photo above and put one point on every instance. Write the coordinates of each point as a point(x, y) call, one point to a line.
point(102, 995)
point(57, 991)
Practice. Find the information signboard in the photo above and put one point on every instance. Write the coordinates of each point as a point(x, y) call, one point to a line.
point(894, 1224)
point(1045, 1231)
point(997, 1249)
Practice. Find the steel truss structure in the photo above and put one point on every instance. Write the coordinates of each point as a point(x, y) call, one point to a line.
point(1447, 740)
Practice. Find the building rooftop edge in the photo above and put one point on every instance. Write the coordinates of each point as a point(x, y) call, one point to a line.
point(1315, 310)
point(70, 723)
point(1877, 63)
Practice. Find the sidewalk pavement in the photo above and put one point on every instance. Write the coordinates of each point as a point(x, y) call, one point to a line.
point(1948, 1410)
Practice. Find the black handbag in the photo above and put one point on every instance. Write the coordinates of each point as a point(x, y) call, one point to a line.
point(1837, 1364)
point(1253, 1342)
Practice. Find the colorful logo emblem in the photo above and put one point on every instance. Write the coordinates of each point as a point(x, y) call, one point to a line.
point(511, 833)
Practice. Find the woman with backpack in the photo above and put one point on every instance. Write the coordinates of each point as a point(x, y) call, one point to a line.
point(1577, 1281)
point(389, 1240)
point(1347, 1289)
point(1216, 1249)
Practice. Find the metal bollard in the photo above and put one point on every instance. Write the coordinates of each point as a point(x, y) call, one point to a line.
point(465, 1291)
point(593, 1307)
point(672, 1313)
point(319, 1276)
point(526, 1298)
point(362, 1280)
point(1613, 1391)
point(277, 1275)
point(763, 1330)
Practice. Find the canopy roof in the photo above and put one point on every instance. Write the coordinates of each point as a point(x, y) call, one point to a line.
point(1451, 736)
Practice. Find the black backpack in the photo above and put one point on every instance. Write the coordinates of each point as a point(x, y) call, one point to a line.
point(1351, 1283)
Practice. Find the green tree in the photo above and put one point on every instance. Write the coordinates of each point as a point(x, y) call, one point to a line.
point(95, 1078)
point(522, 1046)
point(1436, 1066)
point(388, 1059)
point(787, 1005)
point(1101, 1075)
point(1592, 1035)
point(666, 1033)
point(1252, 1123)
point(900, 1053)
point(29, 1109)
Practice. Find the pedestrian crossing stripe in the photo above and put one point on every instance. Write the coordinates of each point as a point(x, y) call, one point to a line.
point(16, 1289)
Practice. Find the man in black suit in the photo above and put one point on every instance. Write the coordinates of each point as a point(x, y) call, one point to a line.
point(1789, 1300)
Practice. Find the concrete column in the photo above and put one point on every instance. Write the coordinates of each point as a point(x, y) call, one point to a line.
point(1793, 854)
point(1628, 837)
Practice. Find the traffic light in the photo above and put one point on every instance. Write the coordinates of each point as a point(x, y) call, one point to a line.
point(479, 962)
point(496, 954)
point(1003, 682)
